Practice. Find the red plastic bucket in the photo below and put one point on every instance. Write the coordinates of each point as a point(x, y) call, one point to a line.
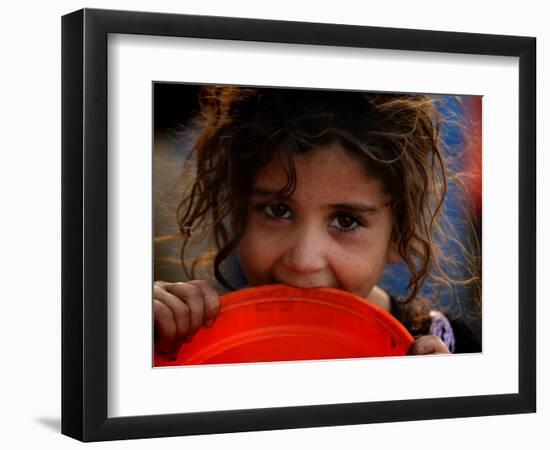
point(281, 323)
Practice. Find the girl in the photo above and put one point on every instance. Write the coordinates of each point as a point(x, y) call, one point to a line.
point(314, 188)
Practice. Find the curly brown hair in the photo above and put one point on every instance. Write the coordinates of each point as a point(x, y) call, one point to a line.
point(397, 137)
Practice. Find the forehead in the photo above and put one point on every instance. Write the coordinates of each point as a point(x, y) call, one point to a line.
point(330, 170)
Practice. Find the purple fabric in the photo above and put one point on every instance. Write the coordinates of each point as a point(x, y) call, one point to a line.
point(441, 327)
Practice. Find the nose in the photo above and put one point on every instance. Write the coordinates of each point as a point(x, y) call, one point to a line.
point(305, 251)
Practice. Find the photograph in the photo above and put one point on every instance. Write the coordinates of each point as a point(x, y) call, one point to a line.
point(274, 224)
point(295, 224)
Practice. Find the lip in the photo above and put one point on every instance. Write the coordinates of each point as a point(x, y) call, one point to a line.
point(302, 284)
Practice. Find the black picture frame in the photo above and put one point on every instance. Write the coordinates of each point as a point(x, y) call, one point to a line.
point(84, 224)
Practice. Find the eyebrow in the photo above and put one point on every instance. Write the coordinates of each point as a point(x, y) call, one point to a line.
point(265, 193)
point(352, 207)
point(355, 207)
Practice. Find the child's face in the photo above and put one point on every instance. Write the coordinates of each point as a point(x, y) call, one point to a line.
point(334, 231)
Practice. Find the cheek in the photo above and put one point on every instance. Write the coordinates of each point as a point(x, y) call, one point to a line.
point(358, 268)
point(351, 269)
point(257, 253)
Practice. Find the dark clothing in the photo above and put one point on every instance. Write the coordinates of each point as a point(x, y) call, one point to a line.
point(455, 333)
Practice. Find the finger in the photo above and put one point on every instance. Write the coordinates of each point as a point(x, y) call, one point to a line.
point(428, 345)
point(180, 311)
point(165, 328)
point(192, 296)
point(211, 301)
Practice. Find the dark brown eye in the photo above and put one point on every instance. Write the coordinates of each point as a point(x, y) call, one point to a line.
point(278, 210)
point(345, 222)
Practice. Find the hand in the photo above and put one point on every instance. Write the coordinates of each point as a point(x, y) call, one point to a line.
point(180, 309)
point(428, 345)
